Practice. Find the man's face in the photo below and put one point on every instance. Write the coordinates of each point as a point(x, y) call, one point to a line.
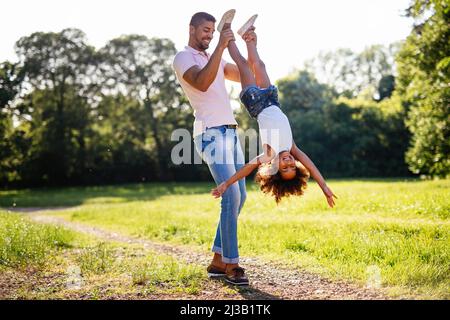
point(203, 34)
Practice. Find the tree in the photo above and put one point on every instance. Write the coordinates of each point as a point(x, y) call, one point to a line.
point(11, 79)
point(140, 68)
point(386, 87)
point(423, 82)
point(345, 137)
point(11, 140)
point(349, 72)
point(301, 91)
point(58, 68)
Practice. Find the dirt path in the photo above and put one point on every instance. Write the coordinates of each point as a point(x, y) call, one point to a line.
point(267, 280)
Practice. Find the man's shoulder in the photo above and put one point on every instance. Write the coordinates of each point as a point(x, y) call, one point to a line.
point(182, 58)
point(182, 61)
point(183, 54)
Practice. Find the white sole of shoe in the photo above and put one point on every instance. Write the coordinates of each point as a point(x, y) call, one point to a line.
point(216, 275)
point(247, 25)
point(237, 284)
point(226, 18)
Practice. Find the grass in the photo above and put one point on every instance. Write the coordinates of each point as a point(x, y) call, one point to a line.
point(50, 262)
point(157, 273)
point(154, 272)
point(395, 229)
point(97, 259)
point(25, 244)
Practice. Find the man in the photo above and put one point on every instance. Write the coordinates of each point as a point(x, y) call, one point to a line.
point(202, 77)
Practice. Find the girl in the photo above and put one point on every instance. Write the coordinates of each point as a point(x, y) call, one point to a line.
point(283, 169)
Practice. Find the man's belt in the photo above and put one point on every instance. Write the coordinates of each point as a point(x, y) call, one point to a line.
point(227, 126)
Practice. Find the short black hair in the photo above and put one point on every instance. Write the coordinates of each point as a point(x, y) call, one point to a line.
point(198, 18)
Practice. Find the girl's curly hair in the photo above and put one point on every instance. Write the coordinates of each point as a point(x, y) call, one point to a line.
point(275, 185)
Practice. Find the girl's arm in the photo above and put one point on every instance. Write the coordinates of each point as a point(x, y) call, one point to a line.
point(307, 162)
point(241, 173)
point(315, 173)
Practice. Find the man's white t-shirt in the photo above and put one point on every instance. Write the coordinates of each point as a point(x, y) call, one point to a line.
point(211, 108)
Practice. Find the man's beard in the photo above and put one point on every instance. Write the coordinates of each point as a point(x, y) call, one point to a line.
point(202, 45)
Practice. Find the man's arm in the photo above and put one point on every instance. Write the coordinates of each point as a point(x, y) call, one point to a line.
point(232, 72)
point(201, 79)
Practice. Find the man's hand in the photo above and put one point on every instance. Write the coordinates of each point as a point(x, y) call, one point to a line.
point(329, 194)
point(226, 36)
point(217, 192)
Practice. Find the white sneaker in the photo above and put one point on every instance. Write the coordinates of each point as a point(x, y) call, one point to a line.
point(247, 25)
point(226, 18)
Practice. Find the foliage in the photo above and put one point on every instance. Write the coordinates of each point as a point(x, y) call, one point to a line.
point(352, 72)
point(423, 83)
point(74, 114)
point(345, 137)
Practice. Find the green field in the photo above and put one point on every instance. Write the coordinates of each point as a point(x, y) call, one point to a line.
point(46, 262)
point(399, 227)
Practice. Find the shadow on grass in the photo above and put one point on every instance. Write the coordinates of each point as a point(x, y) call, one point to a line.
point(75, 196)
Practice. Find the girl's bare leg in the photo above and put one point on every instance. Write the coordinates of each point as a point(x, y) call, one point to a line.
point(246, 74)
point(259, 68)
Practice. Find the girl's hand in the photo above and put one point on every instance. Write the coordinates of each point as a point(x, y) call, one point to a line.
point(217, 192)
point(329, 194)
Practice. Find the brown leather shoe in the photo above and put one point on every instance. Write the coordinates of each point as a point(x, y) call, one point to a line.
point(215, 272)
point(237, 277)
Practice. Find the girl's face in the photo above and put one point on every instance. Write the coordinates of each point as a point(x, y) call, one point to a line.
point(286, 165)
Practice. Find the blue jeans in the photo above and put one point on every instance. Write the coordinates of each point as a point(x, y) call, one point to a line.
point(219, 147)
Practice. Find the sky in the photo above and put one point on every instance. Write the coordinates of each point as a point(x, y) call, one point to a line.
point(289, 32)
